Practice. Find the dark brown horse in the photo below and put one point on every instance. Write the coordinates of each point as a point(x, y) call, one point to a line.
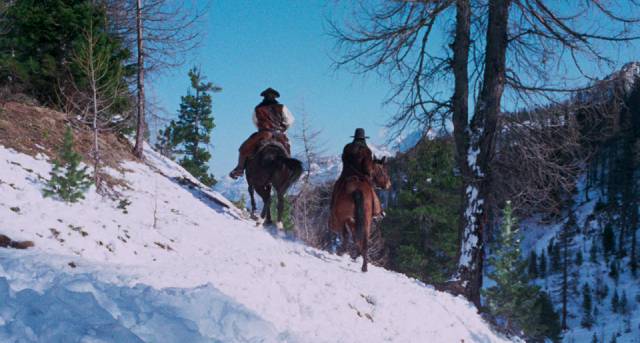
point(271, 167)
point(352, 208)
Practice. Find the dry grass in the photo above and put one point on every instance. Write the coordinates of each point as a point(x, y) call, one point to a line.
point(31, 130)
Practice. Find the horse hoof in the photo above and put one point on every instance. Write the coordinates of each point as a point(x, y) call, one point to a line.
point(364, 269)
point(280, 226)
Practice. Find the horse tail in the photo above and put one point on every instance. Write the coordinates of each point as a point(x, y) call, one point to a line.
point(358, 199)
point(295, 171)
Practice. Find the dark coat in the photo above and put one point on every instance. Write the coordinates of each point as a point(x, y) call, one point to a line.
point(357, 160)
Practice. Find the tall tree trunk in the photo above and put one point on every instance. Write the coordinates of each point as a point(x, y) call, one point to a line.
point(140, 127)
point(479, 152)
point(565, 277)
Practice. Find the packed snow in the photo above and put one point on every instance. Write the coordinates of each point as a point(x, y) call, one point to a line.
point(179, 264)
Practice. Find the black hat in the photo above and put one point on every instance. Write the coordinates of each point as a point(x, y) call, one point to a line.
point(270, 91)
point(359, 134)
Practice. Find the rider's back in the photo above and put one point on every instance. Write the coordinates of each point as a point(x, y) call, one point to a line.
point(357, 160)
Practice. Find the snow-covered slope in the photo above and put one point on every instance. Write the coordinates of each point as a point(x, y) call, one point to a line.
point(591, 271)
point(178, 265)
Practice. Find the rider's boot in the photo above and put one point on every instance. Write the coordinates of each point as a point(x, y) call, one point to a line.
point(378, 217)
point(239, 169)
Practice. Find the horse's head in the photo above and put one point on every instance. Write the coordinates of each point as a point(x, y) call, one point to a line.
point(380, 174)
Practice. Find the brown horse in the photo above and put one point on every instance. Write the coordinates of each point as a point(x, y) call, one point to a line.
point(352, 208)
point(271, 167)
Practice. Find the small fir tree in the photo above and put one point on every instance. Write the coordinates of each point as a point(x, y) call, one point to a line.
point(613, 271)
point(533, 265)
point(587, 315)
point(608, 240)
point(624, 303)
point(593, 252)
point(542, 266)
point(193, 128)
point(165, 141)
point(579, 258)
point(615, 301)
point(547, 325)
point(565, 245)
point(68, 180)
point(556, 260)
point(512, 298)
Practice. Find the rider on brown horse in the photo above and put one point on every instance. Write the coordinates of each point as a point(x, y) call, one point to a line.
point(272, 120)
point(357, 162)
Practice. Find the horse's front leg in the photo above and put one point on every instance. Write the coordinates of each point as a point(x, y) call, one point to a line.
point(253, 202)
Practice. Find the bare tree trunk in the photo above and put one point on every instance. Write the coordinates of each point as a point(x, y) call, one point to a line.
point(481, 140)
point(93, 79)
point(96, 146)
point(140, 127)
point(565, 279)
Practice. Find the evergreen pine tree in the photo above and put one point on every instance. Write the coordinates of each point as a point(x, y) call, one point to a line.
point(613, 271)
point(550, 247)
point(608, 240)
point(193, 128)
point(566, 243)
point(542, 266)
point(624, 303)
point(417, 229)
point(67, 180)
point(579, 258)
point(615, 301)
point(556, 259)
point(533, 265)
point(547, 325)
point(512, 298)
point(593, 252)
point(165, 141)
point(587, 316)
point(37, 47)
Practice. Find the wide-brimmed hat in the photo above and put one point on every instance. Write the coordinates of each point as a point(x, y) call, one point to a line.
point(270, 91)
point(359, 134)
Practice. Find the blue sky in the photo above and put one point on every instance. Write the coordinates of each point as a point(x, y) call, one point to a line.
point(251, 45)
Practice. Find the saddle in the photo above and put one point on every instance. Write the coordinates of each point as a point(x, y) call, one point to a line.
point(270, 143)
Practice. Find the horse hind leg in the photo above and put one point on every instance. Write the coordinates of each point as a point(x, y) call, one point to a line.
point(280, 210)
point(344, 240)
point(361, 232)
point(266, 210)
point(265, 194)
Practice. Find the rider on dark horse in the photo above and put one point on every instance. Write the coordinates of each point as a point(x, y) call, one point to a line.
point(272, 120)
point(358, 164)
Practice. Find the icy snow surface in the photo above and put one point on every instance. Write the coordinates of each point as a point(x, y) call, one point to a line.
point(179, 266)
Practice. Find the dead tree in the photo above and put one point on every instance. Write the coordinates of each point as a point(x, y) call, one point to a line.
point(140, 123)
point(94, 97)
point(160, 32)
point(307, 204)
point(544, 41)
point(539, 156)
